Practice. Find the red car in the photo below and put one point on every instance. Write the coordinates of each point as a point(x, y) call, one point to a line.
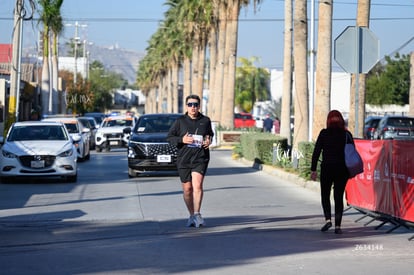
point(244, 120)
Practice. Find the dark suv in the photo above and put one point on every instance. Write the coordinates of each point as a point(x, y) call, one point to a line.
point(395, 127)
point(148, 148)
point(370, 126)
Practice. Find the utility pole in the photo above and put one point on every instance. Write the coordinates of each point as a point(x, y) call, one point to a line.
point(15, 74)
point(76, 41)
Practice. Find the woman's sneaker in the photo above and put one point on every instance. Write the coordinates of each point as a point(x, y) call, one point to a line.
point(198, 220)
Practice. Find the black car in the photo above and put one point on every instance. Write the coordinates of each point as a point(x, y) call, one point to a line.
point(148, 148)
point(370, 126)
point(395, 127)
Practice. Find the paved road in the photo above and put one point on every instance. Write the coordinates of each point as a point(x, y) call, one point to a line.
point(258, 222)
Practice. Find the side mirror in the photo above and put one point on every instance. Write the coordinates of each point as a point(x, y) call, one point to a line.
point(127, 130)
point(76, 138)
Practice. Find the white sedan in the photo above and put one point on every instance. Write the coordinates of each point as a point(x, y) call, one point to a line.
point(77, 131)
point(38, 149)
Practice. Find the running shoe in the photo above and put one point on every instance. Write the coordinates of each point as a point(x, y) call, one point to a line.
point(191, 222)
point(198, 220)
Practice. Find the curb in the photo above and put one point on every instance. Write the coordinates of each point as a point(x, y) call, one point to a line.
point(308, 184)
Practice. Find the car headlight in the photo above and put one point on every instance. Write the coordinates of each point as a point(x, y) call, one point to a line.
point(66, 153)
point(8, 154)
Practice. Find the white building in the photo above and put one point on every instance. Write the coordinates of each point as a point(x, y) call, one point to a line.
point(340, 89)
point(80, 67)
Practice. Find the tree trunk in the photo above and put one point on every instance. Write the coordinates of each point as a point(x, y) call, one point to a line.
point(219, 79)
point(362, 21)
point(301, 98)
point(212, 72)
point(201, 69)
point(187, 79)
point(194, 69)
point(285, 129)
point(322, 103)
point(174, 84)
point(169, 90)
point(411, 95)
point(55, 76)
point(227, 113)
point(45, 85)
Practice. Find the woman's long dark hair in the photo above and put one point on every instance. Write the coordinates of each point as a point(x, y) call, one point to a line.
point(335, 120)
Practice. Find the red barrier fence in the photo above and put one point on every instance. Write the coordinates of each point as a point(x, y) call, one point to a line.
point(387, 184)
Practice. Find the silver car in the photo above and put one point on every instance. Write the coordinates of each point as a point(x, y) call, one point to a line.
point(78, 132)
point(38, 149)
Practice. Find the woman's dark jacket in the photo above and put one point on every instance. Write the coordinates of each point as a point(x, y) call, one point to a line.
point(331, 142)
point(188, 157)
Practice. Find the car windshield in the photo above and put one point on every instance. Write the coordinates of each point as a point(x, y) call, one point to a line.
point(402, 121)
point(72, 128)
point(154, 124)
point(37, 132)
point(117, 123)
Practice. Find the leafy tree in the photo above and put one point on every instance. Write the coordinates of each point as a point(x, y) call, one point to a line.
point(389, 83)
point(251, 84)
point(102, 83)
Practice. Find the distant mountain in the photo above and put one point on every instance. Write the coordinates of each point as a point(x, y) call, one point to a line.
point(113, 58)
point(117, 60)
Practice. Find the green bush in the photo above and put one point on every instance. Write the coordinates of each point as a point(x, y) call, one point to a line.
point(305, 159)
point(270, 149)
point(260, 146)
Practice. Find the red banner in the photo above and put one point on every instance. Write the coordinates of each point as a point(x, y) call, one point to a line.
point(387, 184)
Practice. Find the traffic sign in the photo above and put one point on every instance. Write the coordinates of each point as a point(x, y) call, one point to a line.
point(356, 49)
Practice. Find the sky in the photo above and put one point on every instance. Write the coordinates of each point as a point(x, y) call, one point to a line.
point(129, 24)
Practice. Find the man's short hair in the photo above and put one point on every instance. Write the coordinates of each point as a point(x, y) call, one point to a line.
point(192, 97)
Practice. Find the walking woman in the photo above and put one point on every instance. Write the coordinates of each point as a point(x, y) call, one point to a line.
point(331, 142)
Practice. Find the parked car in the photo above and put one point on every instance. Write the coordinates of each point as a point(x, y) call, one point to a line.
point(90, 123)
point(78, 132)
point(110, 134)
point(395, 127)
point(38, 149)
point(244, 120)
point(148, 148)
point(99, 117)
point(370, 126)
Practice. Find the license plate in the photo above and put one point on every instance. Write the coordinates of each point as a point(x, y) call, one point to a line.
point(113, 143)
point(37, 163)
point(403, 133)
point(164, 158)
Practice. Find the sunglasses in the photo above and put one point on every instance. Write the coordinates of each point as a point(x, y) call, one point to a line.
point(193, 104)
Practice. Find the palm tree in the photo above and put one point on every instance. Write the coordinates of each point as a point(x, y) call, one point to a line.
point(56, 28)
point(323, 67)
point(251, 84)
point(230, 57)
point(45, 19)
point(217, 101)
point(411, 94)
point(362, 21)
point(301, 97)
point(285, 129)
